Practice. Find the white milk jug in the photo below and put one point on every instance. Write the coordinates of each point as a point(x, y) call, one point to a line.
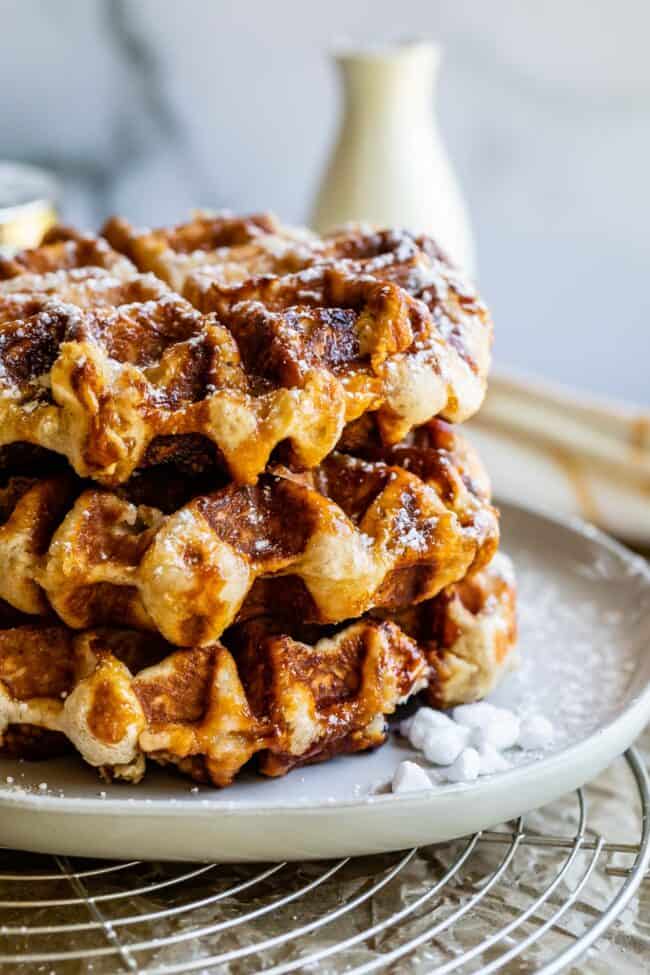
point(389, 166)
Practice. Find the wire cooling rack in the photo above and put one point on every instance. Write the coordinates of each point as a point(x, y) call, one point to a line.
point(514, 899)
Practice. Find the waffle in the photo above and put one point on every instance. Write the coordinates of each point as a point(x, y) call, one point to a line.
point(102, 386)
point(116, 699)
point(107, 367)
point(443, 370)
point(330, 544)
point(468, 634)
point(230, 437)
point(30, 511)
point(101, 363)
point(65, 249)
point(229, 248)
point(29, 294)
point(75, 269)
point(441, 356)
point(120, 696)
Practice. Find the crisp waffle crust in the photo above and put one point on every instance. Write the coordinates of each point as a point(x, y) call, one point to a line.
point(235, 519)
point(352, 535)
point(99, 361)
point(121, 696)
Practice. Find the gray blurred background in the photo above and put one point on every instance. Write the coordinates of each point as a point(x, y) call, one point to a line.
point(150, 107)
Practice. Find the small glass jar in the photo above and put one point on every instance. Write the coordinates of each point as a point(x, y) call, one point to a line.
point(28, 199)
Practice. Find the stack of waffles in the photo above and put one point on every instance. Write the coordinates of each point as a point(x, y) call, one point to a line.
point(238, 521)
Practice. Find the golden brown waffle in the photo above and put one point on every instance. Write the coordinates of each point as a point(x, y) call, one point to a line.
point(213, 421)
point(30, 511)
point(119, 696)
point(102, 386)
point(101, 364)
point(230, 248)
point(331, 544)
point(442, 361)
point(65, 249)
point(73, 269)
point(29, 294)
point(468, 634)
point(362, 485)
point(444, 368)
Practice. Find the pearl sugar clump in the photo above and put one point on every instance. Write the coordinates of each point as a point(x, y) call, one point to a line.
point(424, 722)
point(410, 777)
point(466, 768)
point(489, 724)
point(468, 742)
point(536, 732)
point(443, 747)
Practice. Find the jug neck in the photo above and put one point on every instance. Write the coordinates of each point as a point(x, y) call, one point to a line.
point(389, 78)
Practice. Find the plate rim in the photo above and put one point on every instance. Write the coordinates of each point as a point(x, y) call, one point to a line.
point(633, 717)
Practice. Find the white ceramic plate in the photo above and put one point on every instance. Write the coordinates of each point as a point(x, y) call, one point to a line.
point(585, 663)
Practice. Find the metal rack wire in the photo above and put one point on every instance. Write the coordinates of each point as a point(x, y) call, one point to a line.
point(412, 911)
